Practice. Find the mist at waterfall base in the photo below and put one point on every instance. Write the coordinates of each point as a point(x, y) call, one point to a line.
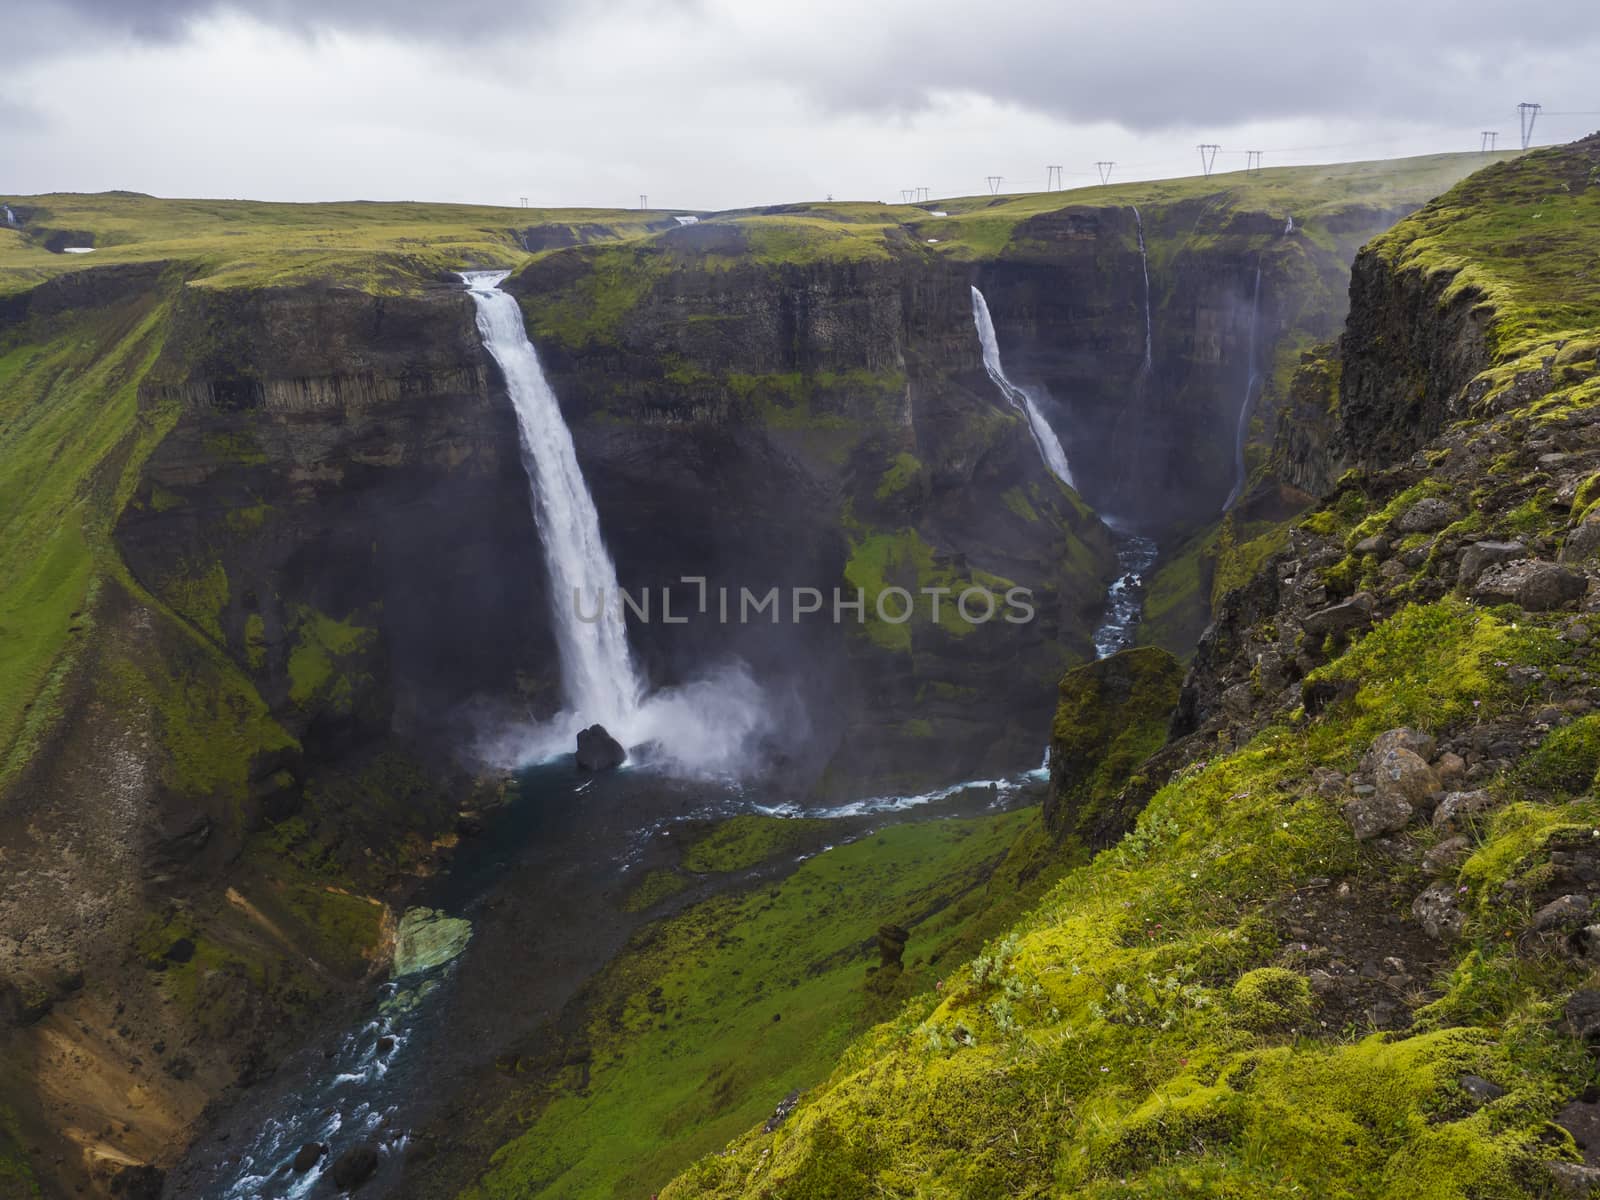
point(710, 726)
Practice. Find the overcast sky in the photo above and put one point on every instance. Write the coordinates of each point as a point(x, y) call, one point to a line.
point(721, 103)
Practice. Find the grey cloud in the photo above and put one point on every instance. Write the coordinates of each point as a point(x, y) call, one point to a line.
point(1153, 66)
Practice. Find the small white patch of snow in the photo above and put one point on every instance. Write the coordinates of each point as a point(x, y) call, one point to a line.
point(933, 241)
point(687, 220)
point(937, 213)
point(77, 249)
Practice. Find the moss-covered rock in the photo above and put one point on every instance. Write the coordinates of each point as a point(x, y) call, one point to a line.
point(1112, 715)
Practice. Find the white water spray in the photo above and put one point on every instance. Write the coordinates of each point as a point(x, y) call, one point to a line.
point(1043, 436)
point(11, 217)
point(1144, 259)
point(700, 728)
point(1251, 379)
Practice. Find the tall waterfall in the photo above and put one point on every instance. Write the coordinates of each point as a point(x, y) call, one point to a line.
point(1251, 379)
point(597, 671)
point(1044, 437)
point(1144, 260)
point(11, 217)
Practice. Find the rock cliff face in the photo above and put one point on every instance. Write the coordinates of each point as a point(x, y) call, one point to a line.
point(819, 425)
point(1375, 815)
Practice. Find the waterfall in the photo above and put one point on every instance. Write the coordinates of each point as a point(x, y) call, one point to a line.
point(11, 217)
point(1251, 378)
point(597, 671)
point(1144, 259)
point(1043, 436)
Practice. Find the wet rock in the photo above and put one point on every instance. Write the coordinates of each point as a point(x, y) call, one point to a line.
point(1354, 613)
point(1458, 809)
point(307, 1157)
point(427, 938)
point(1426, 516)
point(1531, 584)
point(1475, 559)
point(355, 1166)
point(1435, 910)
point(1562, 912)
point(1445, 857)
point(1480, 1089)
point(1372, 814)
point(598, 750)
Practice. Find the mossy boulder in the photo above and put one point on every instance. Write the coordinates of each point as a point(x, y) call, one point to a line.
point(1270, 998)
point(1113, 715)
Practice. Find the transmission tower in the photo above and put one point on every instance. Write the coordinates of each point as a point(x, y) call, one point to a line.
point(1527, 114)
point(905, 195)
point(644, 201)
point(994, 183)
point(1208, 156)
point(1252, 162)
point(922, 195)
point(524, 202)
point(1104, 167)
point(1489, 138)
point(1052, 179)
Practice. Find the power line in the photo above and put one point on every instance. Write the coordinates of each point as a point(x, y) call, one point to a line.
point(1208, 156)
point(1527, 114)
point(1252, 162)
point(1052, 179)
point(1104, 167)
point(994, 184)
point(1489, 138)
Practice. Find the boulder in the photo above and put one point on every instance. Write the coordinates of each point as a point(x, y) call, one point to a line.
point(1481, 1090)
point(1531, 584)
point(1582, 1121)
point(598, 750)
point(1376, 544)
point(1573, 1180)
point(1447, 855)
point(307, 1157)
point(1354, 613)
point(1402, 773)
point(1436, 911)
point(1475, 559)
point(1561, 913)
point(1582, 1015)
point(1426, 516)
point(1458, 809)
point(1374, 814)
point(1419, 743)
point(1582, 542)
point(355, 1166)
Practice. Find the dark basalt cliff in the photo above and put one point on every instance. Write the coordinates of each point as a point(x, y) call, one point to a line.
point(820, 425)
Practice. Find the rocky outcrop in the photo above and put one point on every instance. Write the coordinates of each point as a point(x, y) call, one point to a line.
point(1112, 715)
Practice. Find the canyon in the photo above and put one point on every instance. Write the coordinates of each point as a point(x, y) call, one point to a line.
point(281, 622)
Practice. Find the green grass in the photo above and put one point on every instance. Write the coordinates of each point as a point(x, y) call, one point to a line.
point(71, 443)
point(980, 227)
point(710, 1018)
point(1121, 1040)
point(231, 243)
point(749, 839)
